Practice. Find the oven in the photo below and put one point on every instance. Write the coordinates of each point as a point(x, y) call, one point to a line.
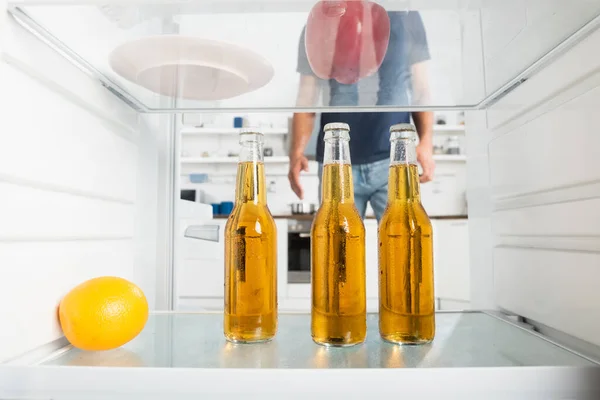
point(299, 250)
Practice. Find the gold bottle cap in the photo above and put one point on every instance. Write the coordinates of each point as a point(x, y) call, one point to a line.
point(403, 131)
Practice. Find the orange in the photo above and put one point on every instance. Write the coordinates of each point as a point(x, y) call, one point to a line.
point(103, 313)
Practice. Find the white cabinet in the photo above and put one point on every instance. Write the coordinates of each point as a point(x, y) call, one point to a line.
point(199, 270)
point(199, 275)
point(446, 193)
point(451, 262)
point(372, 258)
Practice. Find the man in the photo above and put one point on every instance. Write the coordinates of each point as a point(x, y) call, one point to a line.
point(403, 73)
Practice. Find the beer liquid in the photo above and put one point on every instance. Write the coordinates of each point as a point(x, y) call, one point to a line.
point(250, 261)
point(338, 263)
point(406, 297)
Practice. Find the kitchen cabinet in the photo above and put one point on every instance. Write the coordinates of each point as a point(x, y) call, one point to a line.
point(451, 267)
point(446, 193)
point(199, 272)
point(451, 262)
point(371, 251)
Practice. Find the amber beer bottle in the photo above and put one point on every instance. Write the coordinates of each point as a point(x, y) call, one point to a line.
point(338, 314)
point(250, 251)
point(406, 298)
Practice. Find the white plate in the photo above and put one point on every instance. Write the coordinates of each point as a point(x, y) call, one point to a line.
point(191, 68)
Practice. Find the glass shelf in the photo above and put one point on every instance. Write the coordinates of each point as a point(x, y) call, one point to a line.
point(196, 341)
point(185, 354)
point(478, 51)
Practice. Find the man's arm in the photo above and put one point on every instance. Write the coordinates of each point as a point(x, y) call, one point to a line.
point(302, 127)
point(423, 120)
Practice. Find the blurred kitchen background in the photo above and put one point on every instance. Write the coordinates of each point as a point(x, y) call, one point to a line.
point(208, 161)
point(209, 149)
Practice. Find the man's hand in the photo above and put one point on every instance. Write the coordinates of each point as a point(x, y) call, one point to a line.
point(297, 163)
point(425, 158)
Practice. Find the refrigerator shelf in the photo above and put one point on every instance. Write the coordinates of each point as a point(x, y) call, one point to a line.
point(479, 50)
point(182, 355)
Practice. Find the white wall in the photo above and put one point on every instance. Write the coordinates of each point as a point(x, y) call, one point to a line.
point(533, 175)
point(221, 145)
point(68, 172)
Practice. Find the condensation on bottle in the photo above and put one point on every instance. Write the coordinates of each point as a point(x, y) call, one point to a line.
point(250, 251)
point(338, 312)
point(406, 288)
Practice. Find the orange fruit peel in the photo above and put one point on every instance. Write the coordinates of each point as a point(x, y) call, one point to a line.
point(103, 313)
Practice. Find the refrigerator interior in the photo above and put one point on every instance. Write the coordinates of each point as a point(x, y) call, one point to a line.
point(88, 176)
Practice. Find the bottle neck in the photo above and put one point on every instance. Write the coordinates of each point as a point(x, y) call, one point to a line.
point(404, 172)
point(337, 150)
point(251, 187)
point(403, 151)
point(251, 149)
point(336, 183)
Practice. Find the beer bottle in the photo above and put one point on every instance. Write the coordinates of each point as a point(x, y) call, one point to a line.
point(406, 298)
point(250, 251)
point(338, 313)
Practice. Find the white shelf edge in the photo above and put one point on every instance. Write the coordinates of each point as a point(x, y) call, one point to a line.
point(284, 159)
point(228, 160)
point(450, 157)
point(448, 128)
point(229, 131)
point(283, 131)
